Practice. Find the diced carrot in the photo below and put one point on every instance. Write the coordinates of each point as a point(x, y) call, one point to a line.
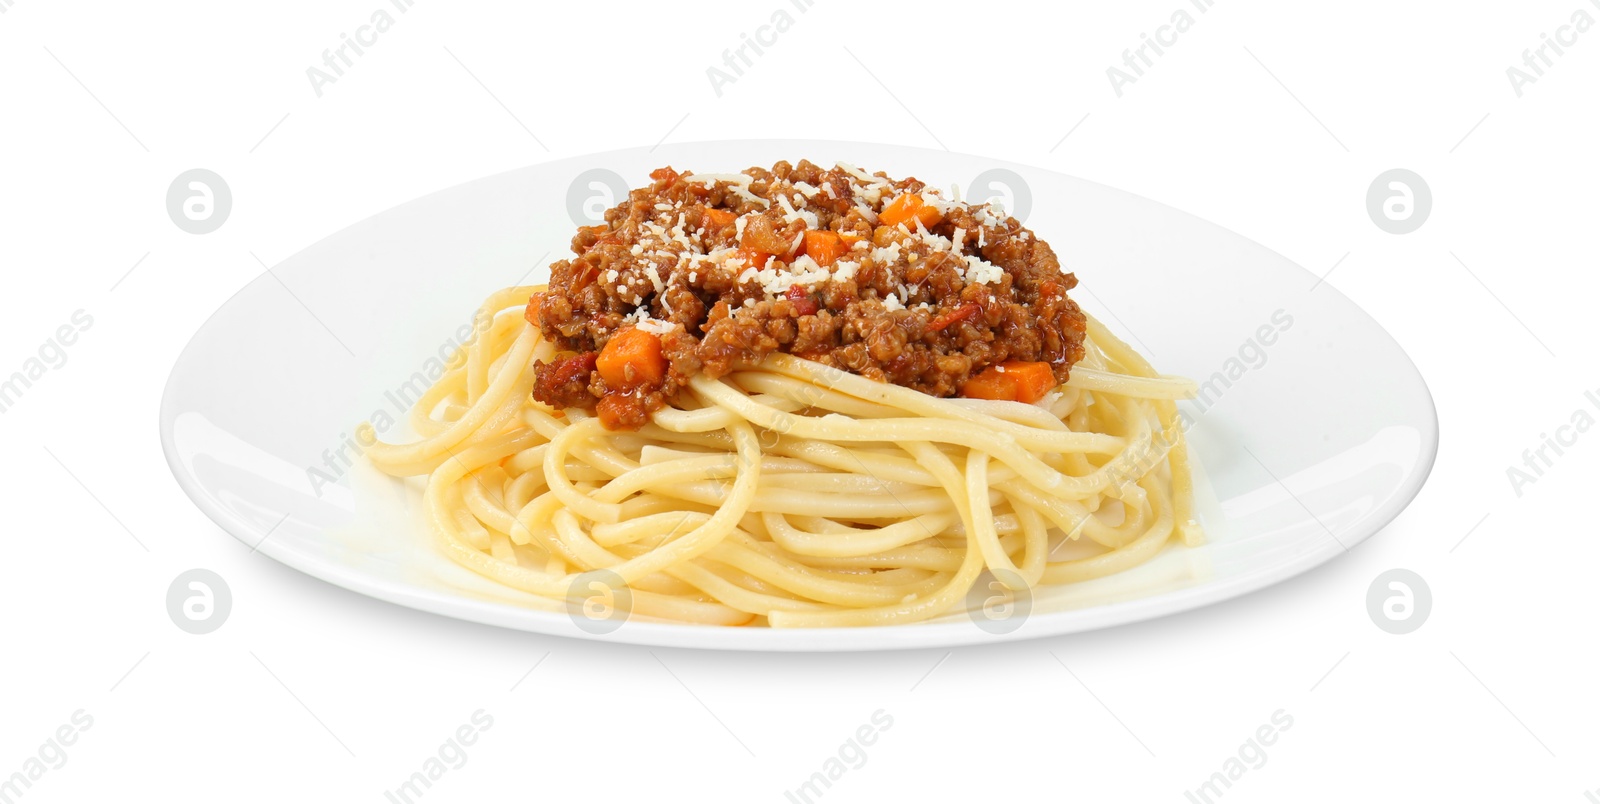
point(754, 257)
point(1013, 381)
point(665, 174)
point(961, 313)
point(717, 219)
point(1034, 380)
point(632, 357)
point(907, 206)
point(532, 313)
point(990, 384)
point(824, 247)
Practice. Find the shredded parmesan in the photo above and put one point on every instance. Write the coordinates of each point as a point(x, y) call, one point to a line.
point(983, 273)
point(749, 196)
point(790, 214)
point(664, 254)
point(856, 172)
point(886, 254)
point(655, 325)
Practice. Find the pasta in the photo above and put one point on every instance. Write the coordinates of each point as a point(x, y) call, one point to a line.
point(802, 397)
point(792, 494)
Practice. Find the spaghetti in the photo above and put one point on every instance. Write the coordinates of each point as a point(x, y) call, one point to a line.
point(786, 490)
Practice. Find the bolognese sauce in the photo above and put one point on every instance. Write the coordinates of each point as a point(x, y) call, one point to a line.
point(885, 278)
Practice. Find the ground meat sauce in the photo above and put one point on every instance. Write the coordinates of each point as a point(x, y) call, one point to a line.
point(885, 278)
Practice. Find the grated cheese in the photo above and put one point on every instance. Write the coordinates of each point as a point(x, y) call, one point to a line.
point(654, 325)
point(980, 272)
point(749, 196)
point(673, 250)
point(886, 254)
point(856, 172)
point(790, 215)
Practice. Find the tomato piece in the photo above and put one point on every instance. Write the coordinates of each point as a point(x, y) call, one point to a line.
point(961, 313)
point(615, 410)
point(532, 313)
point(582, 275)
point(802, 301)
point(572, 368)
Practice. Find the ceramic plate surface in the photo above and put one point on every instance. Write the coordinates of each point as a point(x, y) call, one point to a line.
point(1300, 462)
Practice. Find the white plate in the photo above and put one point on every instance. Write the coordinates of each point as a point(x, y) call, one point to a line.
point(1319, 433)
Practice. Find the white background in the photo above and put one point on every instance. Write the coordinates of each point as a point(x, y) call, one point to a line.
point(313, 693)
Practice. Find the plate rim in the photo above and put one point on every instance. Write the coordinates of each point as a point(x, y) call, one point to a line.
point(856, 639)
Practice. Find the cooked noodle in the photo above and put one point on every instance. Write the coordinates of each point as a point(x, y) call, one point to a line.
point(793, 494)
